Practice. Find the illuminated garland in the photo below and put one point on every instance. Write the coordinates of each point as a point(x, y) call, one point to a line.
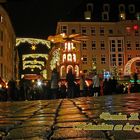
point(25, 56)
point(55, 59)
point(33, 41)
point(34, 62)
point(32, 67)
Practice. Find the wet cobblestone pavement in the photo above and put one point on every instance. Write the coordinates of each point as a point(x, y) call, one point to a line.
point(70, 119)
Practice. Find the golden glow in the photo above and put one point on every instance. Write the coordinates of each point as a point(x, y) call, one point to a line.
point(33, 41)
point(55, 59)
point(122, 16)
point(61, 38)
point(33, 47)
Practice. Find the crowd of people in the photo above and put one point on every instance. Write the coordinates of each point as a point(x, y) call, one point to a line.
point(68, 88)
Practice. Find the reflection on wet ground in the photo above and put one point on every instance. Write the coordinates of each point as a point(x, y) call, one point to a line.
point(72, 119)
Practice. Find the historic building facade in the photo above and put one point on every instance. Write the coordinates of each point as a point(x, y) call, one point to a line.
point(7, 44)
point(113, 31)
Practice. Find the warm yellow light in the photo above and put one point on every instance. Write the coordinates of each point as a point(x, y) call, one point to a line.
point(32, 67)
point(33, 41)
point(34, 62)
point(33, 47)
point(37, 55)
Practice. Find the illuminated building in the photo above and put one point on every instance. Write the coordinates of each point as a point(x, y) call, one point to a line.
point(114, 35)
point(8, 67)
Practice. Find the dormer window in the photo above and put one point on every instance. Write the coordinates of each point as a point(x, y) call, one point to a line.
point(87, 15)
point(131, 8)
point(90, 7)
point(106, 7)
point(64, 29)
point(105, 16)
point(121, 8)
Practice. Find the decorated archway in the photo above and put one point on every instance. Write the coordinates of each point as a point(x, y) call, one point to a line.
point(127, 68)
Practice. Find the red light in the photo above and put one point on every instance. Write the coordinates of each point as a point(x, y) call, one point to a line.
point(135, 27)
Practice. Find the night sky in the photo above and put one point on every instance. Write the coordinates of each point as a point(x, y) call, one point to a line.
point(38, 18)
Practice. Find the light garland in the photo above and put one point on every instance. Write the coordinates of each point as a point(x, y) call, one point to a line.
point(34, 62)
point(33, 41)
point(32, 67)
point(25, 56)
point(55, 59)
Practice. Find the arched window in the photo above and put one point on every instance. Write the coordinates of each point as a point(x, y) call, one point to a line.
point(106, 7)
point(121, 8)
point(90, 7)
point(62, 71)
point(131, 8)
point(69, 67)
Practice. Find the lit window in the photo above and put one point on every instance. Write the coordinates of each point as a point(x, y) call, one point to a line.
point(87, 15)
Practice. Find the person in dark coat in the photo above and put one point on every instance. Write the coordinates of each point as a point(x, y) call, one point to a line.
point(54, 83)
point(70, 77)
